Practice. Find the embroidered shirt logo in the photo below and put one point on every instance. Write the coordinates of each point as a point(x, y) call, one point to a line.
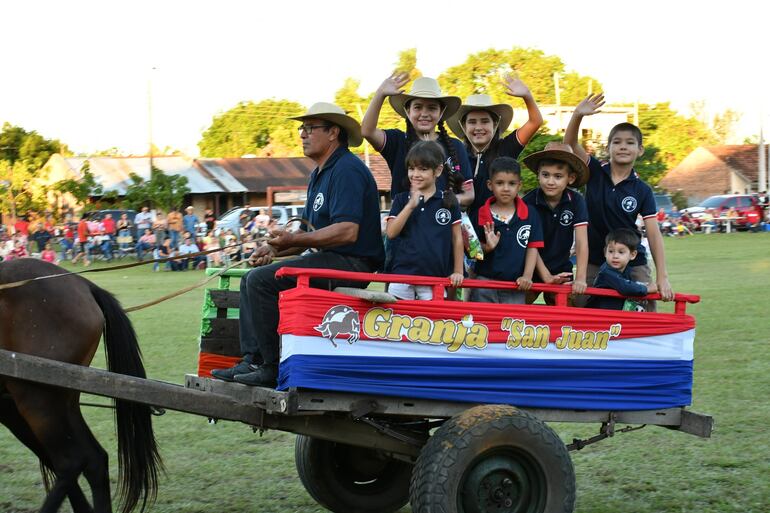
point(318, 202)
point(628, 203)
point(443, 216)
point(565, 219)
point(522, 236)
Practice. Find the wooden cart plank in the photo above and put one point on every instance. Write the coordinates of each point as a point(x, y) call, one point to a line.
point(225, 298)
point(298, 402)
point(220, 346)
point(190, 400)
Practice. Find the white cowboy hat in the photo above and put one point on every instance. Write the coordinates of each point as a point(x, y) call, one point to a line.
point(503, 111)
point(334, 114)
point(427, 88)
point(555, 150)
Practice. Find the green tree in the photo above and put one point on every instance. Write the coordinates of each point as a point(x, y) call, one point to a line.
point(679, 199)
point(674, 135)
point(161, 190)
point(537, 143)
point(724, 125)
point(22, 155)
point(250, 128)
point(482, 72)
point(407, 63)
point(348, 98)
point(81, 188)
point(17, 144)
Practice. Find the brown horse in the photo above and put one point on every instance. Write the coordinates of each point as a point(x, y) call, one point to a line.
point(63, 319)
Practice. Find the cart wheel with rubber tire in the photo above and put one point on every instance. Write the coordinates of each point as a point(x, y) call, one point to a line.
point(493, 458)
point(349, 479)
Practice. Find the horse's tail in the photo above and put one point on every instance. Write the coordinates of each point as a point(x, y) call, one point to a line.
point(138, 460)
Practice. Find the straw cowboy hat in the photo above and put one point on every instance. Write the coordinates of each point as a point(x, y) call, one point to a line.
point(563, 152)
point(333, 114)
point(427, 88)
point(503, 111)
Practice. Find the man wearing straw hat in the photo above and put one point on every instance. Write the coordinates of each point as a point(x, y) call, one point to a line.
point(343, 209)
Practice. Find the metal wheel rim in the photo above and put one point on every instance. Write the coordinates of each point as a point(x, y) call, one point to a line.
point(503, 481)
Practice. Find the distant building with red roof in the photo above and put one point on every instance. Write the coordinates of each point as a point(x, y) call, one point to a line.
point(216, 183)
point(712, 170)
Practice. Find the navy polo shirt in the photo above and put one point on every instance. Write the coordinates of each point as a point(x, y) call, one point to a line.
point(344, 191)
point(508, 146)
point(612, 206)
point(558, 226)
point(521, 232)
point(425, 243)
point(610, 278)
point(394, 152)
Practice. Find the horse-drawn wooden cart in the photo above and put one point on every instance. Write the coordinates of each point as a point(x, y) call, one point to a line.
point(442, 404)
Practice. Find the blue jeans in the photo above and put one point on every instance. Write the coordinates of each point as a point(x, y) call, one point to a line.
point(66, 245)
point(141, 247)
point(174, 238)
point(106, 248)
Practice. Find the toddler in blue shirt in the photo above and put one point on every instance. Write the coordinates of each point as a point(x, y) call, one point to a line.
point(619, 250)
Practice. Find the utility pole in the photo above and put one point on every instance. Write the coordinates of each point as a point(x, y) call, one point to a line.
point(149, 116)
point(762, 175)
point(557, 91)
point(636, 112)
point(366, 143)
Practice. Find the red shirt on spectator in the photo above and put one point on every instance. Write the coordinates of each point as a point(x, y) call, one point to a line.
point(82, 231)
point(22, 227)
point(109, 225)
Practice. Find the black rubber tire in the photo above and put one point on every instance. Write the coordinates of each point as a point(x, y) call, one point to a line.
point(348, 479)
point(493, 458)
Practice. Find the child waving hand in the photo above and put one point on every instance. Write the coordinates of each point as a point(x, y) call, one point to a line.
point(425, 108)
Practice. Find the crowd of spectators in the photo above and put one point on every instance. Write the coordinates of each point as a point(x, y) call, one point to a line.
point(680, 224)
point(151, 234)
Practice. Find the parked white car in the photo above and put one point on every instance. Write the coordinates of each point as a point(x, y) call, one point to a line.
point(230, 220)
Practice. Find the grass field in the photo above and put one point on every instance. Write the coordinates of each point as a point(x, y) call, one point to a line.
point(226, 467)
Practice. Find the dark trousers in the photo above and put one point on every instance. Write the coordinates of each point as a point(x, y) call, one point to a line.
point(259, 300)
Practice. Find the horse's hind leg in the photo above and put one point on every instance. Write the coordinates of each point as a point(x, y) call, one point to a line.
point(96, 470)
point(10, 416)
point(54, 418)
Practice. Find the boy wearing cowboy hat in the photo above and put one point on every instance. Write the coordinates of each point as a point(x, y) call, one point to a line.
point(481, 123)
point(563, 215)
point(425, 109)
point(343, 208)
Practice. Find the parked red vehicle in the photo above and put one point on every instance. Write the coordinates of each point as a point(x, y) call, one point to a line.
point(718, 206)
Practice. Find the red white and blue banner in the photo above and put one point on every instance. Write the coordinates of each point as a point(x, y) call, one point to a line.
point(525, 355)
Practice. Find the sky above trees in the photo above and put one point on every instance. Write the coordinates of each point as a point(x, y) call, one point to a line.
point(79, 71)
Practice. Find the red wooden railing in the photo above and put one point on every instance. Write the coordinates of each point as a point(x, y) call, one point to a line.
point(439, 285)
